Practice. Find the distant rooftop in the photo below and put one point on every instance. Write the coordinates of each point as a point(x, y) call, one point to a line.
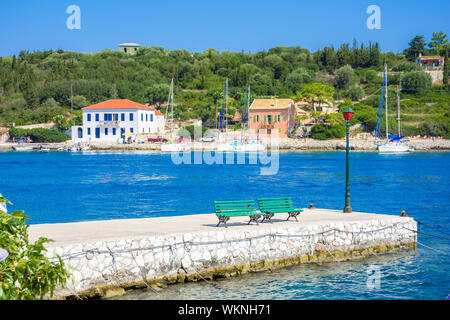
point(129, 45)
point(118, 104)
point(264, 104)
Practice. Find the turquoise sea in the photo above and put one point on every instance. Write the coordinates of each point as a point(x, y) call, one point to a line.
point(68, 187)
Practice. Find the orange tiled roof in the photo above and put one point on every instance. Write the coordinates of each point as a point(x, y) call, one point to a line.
point(158, 113)
point(117, 104)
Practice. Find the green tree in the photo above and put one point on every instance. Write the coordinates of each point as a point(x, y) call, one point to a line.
point(316, 92)
point(157, 94)
point(26, 274)
point(344, 76)
point(355, 93)
point(416, 46)
point(437, 41)
point(416, 82)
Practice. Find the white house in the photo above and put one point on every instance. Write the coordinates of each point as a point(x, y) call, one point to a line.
point(110, 120)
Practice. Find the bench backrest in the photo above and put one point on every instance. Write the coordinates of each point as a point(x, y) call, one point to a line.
point(234, 208)
point(274, 205)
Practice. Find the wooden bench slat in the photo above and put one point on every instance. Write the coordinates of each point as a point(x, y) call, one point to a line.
point(226, 209)
point(270, 206)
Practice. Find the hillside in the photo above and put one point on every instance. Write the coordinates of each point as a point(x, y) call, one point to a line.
point(37, 87)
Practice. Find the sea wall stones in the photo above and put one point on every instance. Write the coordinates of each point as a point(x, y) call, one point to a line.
point(103, 267)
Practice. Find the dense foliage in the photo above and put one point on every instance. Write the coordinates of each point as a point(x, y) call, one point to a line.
point(39, 134)
point(44, 86)
point(26, 274)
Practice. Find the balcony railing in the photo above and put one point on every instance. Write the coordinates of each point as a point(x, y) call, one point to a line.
point(109, 123)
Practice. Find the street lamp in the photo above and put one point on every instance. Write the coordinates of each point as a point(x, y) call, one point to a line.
point(348, 115)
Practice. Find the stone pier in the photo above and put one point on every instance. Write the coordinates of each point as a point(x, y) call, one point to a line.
point(108, 257)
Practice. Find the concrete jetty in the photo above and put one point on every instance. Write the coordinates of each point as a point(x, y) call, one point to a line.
point(107, 257)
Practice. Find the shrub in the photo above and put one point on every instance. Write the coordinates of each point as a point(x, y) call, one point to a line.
point(191, 129)
point(39, 134)
point(344, 76)
point(26, 274)
point(355, 93)
point(416, 82)
point(322, 132)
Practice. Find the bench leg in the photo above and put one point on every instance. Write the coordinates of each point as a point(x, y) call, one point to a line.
point(254, 218)
point(267, 216)
point(293, 214)
point(223, 220)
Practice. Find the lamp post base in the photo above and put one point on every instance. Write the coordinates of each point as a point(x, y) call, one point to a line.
point(348, 209)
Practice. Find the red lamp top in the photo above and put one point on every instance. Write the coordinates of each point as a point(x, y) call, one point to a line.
point(348, 114)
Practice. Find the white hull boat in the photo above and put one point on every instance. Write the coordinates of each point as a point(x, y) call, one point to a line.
point(22, 148)
point(237, 147)
point(394, 143)
point(393, 148)
point(175, 147)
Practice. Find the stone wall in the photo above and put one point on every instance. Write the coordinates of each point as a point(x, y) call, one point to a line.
point(109, 266)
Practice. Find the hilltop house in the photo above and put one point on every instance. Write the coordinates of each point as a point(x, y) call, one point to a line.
point(129, 48)
point(110, 120)
point(268, 115)
point(430, 61)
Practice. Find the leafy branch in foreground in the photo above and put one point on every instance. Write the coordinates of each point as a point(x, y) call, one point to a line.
point(26, 274)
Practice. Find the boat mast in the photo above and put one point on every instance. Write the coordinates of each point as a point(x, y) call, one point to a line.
point(244, 113)
point(386, 94)
point(248, 112)
point(171, 109)
point(226, 111)
point(398, 107)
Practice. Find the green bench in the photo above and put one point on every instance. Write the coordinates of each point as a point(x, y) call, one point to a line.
point(227, 209)
point(270, 206)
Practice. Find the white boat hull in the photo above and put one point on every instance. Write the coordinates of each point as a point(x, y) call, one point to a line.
point(22, 148)
point(247, 147)
point(175, 147)
point(393, 148)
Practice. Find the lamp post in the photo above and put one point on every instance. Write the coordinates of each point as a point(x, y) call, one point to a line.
point(348, 115)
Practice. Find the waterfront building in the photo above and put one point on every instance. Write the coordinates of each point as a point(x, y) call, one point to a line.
point(268, 115)
point(111, 120)
point(430, 61)
point(129, 48)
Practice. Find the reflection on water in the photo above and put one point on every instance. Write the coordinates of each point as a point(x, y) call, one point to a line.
point(399, 279)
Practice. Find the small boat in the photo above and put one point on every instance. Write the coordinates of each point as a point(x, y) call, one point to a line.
point(175, 147)
point(393, 143)
point(45, 150)
point(242, 145)
point(28, 148)
point(170, 146)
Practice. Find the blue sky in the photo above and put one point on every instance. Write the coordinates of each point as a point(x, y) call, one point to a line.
point(224, 25)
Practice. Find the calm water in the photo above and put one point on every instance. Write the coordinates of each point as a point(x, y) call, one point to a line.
point(67, 187)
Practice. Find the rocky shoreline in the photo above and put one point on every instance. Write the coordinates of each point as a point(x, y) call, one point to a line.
point(282, 145)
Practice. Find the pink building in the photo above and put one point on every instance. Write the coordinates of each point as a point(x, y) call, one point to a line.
point(129, 48)
point(268, 116)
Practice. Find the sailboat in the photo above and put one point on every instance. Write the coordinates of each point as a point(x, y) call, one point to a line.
point(244, 144)
point(393, 143)
point(247, 144)
point(225, 146)
point(170, 146)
